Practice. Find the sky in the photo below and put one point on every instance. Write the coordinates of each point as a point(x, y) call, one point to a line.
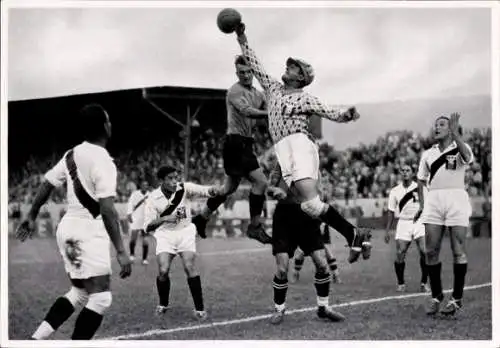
point(359, 54)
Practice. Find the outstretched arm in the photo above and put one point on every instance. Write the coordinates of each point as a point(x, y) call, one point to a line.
point(201, 191)
point(313, 105)
point(265, 80)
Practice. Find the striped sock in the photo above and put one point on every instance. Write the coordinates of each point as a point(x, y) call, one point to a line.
point(322, 285)
point(280, 287)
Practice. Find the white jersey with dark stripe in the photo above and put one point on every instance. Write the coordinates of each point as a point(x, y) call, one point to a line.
point(443, 169)
point(176, 206)
point(96, 171)
point(289, 111)
point(403, 201)
point(135, 208)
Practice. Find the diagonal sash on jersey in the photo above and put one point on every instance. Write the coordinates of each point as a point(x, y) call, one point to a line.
point(440, 162)
point(406, 198)
point(139, 203)
point(83, 197)
point(175, 201)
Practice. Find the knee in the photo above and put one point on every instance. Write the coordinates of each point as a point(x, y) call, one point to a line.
point(459, 257)
point(400, 256)
point(77, 296)
point(432, 256)
point(190, 269)
point(282, 272)
point(163, 273)
point(100, 302)
point(260, 186)
point(314, 207)
point(322, 268)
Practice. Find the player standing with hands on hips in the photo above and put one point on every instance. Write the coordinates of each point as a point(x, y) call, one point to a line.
point(84, 233)
point(289, 111)
point(447, 206)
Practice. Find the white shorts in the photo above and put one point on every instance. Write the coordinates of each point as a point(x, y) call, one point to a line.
point(176, 241)
point(298, 158)
point(84, 245)
point(447, 208)
point(408, 231)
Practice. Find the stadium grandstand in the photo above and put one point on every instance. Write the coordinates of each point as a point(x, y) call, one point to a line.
point(184, 126)
point(148, 130)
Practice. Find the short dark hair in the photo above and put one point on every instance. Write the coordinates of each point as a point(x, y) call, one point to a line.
point(93, 117)
point(460, 129)
point(164, 171)
point(240, 60)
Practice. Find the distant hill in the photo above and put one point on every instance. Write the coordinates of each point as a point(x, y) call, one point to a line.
point(418, 115)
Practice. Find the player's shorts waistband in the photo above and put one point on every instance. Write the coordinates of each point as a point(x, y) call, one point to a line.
point(238, 137)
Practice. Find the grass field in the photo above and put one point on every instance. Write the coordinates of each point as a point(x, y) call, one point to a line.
point(236, 275)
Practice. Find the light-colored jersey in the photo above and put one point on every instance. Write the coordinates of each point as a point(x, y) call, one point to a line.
point(443, 170)
point(289, 111)
point(177, 206)
point(238, 101)
point(403, 201)
point(96, 172)
point(135, 207)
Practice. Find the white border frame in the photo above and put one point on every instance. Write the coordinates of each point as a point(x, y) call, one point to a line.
point(495, 96)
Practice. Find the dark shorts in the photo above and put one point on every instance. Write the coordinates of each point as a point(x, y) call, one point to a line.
point(293, 228)
point(239, 158)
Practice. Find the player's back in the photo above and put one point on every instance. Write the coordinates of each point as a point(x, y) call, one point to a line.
point(93, 168)
point(237, 98)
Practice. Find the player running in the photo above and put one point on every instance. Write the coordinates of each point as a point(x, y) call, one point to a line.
point(447, 205)
point(244, 104)
point(135, 215)
point(293, 228)
point(168, 213)
point(85, 231)
point(289, 110)
point(404, 203)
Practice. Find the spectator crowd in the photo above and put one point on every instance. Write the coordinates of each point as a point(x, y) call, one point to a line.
point(364, 171)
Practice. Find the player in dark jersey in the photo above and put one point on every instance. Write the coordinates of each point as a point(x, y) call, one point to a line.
point(293, 228)
point(244, 104)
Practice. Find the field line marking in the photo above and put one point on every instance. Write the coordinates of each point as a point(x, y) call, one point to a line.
point(211, 253)
point(266, 316)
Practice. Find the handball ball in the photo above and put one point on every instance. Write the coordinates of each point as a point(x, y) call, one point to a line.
point(228, 19)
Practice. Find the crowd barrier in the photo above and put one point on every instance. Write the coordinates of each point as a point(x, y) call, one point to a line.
point(231, 221)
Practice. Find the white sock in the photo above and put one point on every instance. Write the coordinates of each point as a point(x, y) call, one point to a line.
point(279, 307)
point(43, 332)
point(322, 301)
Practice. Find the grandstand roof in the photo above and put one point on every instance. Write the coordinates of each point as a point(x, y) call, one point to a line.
point(172, 92)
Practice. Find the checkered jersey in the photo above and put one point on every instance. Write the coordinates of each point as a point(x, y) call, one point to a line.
point(289, 110)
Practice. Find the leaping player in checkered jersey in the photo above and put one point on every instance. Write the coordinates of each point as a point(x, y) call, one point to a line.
point(85, 231)
point(168, 215)
point(447, 206)
point(289, 110)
